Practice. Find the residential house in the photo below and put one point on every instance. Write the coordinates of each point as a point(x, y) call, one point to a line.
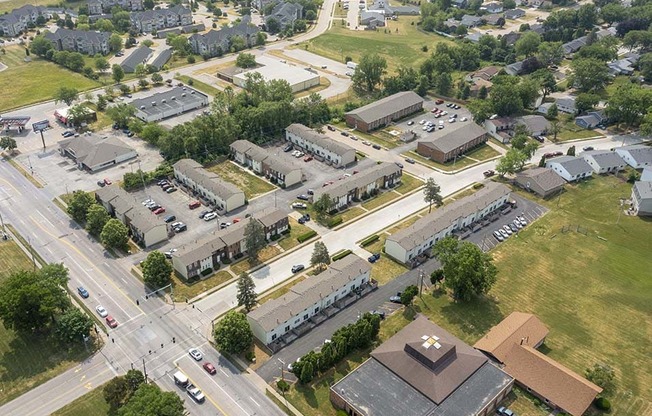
point(486, 74)
point(218, 42)
point(510, 38)
point(452, 24)
point(514, 14)
point(275, 321)
point(646, 175)
point(362, 185)
point(382, 112)
point(494, 19)
point(574, 45)
point(407, 136)
point(92, 153)
point(82, 41)
point(492, 8)
point(193, 259)
point(320, 146)
point(473, 37)
point(145, 228)
point(624, 66)
point(603, 161)
point(264, 163)
point(168, 103)
point(542, 181)
point(411, 243)
point(535, 125)
point(566, 105)
point(514, 69)
point(459, 4)
point(285, 14)
point(422, 370)
point(477, 86)
point(152, 20)
point(538, 28)
point(570, 168)
point(105, 6)
point(642, 198)
point(384, 6)
point(471, 21)
point(208, 185)
point(161, 59)
point(138, 56)
point(500, 128)
point(454, 144)
point(372, 18)
point(513, 344)
point(637, 156)
point(591, 120)
point(19, 20)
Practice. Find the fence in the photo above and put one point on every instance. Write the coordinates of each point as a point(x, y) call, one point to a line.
point(574, 227)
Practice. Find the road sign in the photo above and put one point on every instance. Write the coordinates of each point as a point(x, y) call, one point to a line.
point(40, 126)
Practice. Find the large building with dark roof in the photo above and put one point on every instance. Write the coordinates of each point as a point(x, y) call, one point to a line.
point(83, 41)
point(542, 181)
point(383, 112)
point(423, 371)
point(453, 144)
point(322, 147)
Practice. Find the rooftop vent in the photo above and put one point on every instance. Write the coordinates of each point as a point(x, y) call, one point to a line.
point(173, 98)
point(142, 107)
point(432, 341)
point(192, 92)
point(153, 103)
point(163, 100)
point(183, 94)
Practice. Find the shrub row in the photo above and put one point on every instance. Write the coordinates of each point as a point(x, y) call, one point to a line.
point(306, 236)
point(341, 255)
point(369, 240)
point(206, 272)
point(334, 221)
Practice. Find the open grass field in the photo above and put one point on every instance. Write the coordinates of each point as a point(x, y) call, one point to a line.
point(571, 131)
point(9, 5)
point(385, 197)
point(408, 184)
point(27, 361)
point(32, 82)
point(90, 404)
point(402, 47)
point(183, 290)
point(252, 185)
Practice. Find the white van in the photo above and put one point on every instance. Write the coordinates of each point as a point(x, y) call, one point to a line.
point(180, 379)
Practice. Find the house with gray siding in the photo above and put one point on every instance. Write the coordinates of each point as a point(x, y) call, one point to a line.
point(570, 168)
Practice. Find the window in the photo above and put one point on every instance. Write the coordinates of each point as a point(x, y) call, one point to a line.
point(305, 317)
point(287, 328)
point(273, 337)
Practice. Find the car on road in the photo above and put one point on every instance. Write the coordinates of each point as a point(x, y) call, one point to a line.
point(297, 268)
point(101, 311)
point(381, 314)
point(498, 236)
point(170, 252)
point(376, 146)
point(587, 148)
point(374, 258)
point(503, 411)
point(210, 368)
point(410, 161)
point(303, 197)
point(169, 218)
point(210, 216)
point(399, 164)
point(195, 354)
point(299, 205)
point(194, 204)
point(395, 299)
point(101, 184)
point(195, 393)
point(107, 181)
point(111, 321)
point(488, 173)
point(82, 292)
point(224, 225)
point(159, 210)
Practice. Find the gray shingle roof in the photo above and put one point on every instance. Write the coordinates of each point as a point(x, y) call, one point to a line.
point(206, 179)
point(308, 292)
point(456, 138)
point(640, 153)
point(137, 57)
point(426, 227)
point(88, 35)
point(573, 165)
point(343, 187)
point(546, 178)
point(318, 139)
point(534, 123)
point(259, 154)
point(162, 58)
point(269, 216)
point(93, 151)
point(644, 189)
point(124, 203)
point(388, 105)
point(604, 158)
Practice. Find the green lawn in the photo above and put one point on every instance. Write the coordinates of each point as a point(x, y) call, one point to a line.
point(27, 361)
point(290, 240)
point(246, 264)
point(484, 152)
point(32, 82)
point(571, 131)
point(460, 163)
point(398, 48)
point(90, 404)
point(9, 5)
point(408, 184)
point(351, 213)
point(385, 270)
point(198, 85)
point(252, 185)
point(183, 290)
point(385, 197)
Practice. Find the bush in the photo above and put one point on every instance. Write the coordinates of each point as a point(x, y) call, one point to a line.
point(342, 412)
point(283, 385)
point(341, 255)
point(276, 237)
point(250, 356)
point(206, 272)
point(334, 221)
point(536, 401)
point(226, 261)
point(369, 240)
point(478, 186)
point(306, 236)
point(602, 403)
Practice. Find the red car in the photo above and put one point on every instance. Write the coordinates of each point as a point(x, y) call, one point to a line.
point(111, 321)
point(236, 220)
point(194, 204)
point(210, 368)
point(159, 210)
point(107, 181)
point(439, 102)
point(307, 158)
point(434, 110)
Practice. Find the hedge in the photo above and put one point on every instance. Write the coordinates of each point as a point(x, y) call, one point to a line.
point(602, 403)
point(206, 272)
point(306, 236)
point(341, 255)
point(369, 240)
point(335, 221)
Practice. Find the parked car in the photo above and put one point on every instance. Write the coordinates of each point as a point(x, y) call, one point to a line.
point(159, 210)
point(517, 223)
point(366, 143)
point(498, 236)
point(83, 292)
point(463, 119)
point(587, 148)
point(331, 128)
point(224, 225)
point(166, 186)
point(210, 216)
point(376, 146)
point(210, 368)
point(170, 190)
point(395, 299)
point(170, 252)
point(299, 205)
point(513, 227)
point(288, 147)
point(148, 201)
point(111, 321)
point(297, 268)
point(307, 158)
point(507, 229)
point(399, 164)
point(311, 192)
point(179, 227)
point(503, 233)
point(303, 197)
point(194, 204)
point(410, 161)
point(439, 102)
point(162, 182)
point(345, 134)
point(381, 314)
point(410, 123)
point(352, 137)
point(204, 213)
point(422, 122)
point(107, 181)
point(170, 218)
point(374, 258)
point(195, 354)
point(101, 184)
point(522, 220)
point(101, 311)
point(505, 411)
point(68, 133)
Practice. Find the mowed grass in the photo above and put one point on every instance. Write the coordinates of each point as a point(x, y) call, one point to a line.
point(32, 82)
point(90, 404)
point(477, 155)
point(398, 48)
point(408, 184)
point(183, 290)
point(264, 255)
point(27, 361)
point(252, 185)
point(9, 5)
point(289, 241)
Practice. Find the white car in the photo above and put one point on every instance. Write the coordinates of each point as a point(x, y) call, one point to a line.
point(299, 205)
point(195, 393)
point(451, 120)
point(522, 220)
point(101, 311)
point(210, 216)
point(507, 229)
point(298, 155)
point(422, 122)
point(148, 202)
point(463, 119)
point(195, 354)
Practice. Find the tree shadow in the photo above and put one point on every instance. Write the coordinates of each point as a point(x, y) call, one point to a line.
point(475, 317)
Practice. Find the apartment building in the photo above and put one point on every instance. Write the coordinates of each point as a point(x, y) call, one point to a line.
point(87, 42)
point(263, 163)
point(151, 20)
point(209, 186)
point(321, 146)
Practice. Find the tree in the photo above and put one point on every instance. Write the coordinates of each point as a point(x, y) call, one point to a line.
point(30, 299)
point(74, 326)
point(408, 295)
point(101, 64)
point(245, 60)
point(601, 375)
point(246, 291)
point(116, 393)
point(151, 133)
point(96, 218)
point(320, 257)
point(323, 206)
point(589, 74)
point(528, 44)
point(505, 99)
point(254, 235)
point(645, 65)
point(550, 53)
point(553, 111)
point(469, 271)
point(121, 114)
point(628, 104)
point(613, 13)
point(546, 80)
point(233, 334)
point(156, 270)
point(157, 79)
point(79, 204)
point(66, 95)
point(134, 379)
point(9, 144)
point(369, 72)
point(115, 43)
point(77, 114)
point(480, 110)
point(40, 45)
point(118, 73)
point(587, 16)
point(114, 234)
point(570, 151)
point(311, 15)
point(586, 102)
point(512, 162)
point(555, 128)
point(148, 4)
point(140, 70)
point(149, 400)
point(261, 37)
point(432, 194)
point(307, 372)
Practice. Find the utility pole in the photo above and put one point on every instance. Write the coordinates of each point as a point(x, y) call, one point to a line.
point(42, 139)
point(31, 251)
point(31, 170)
point(142, 179)
point(145, 371)
point(421, 274)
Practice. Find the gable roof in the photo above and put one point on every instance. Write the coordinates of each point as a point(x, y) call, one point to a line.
point(514, 13)
point(640, 153)
point(90, 36)
point(343, 187)
point(162, 58)
point(93, 151)
point(318, 139)
point(534, 123)
point(386, 106)
point(207, 179)
point(242, 29)
point(573, 165)
point(456, 138)
point(546, 178)
point(139, 56)
point(604, 158)
point(518, 328)
point(644, 189)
